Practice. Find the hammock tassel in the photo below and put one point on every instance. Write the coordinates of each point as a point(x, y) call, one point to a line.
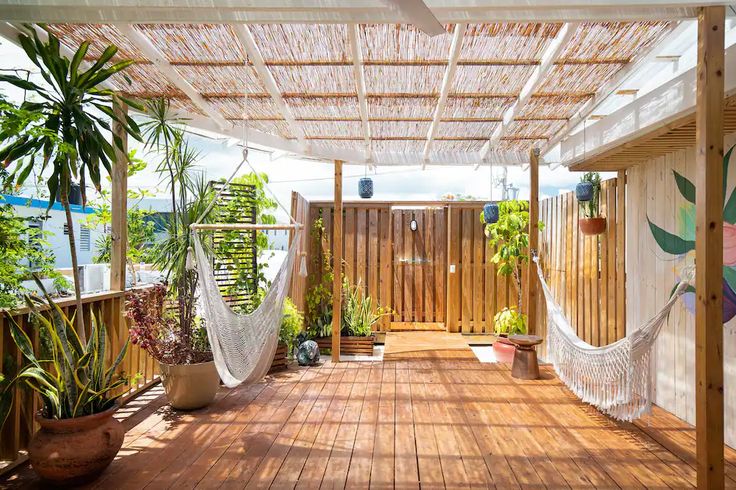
point(190, 259)
point(303, 265)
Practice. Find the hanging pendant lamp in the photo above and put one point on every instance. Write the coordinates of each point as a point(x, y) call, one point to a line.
point(365, 186)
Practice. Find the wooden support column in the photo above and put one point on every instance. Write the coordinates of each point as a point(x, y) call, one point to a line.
point(119, 203)
point(620, 254)
point(532, 287)
point(709, 248)
point(337, 264)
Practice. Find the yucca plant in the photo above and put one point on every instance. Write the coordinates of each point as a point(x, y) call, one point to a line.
point(70, 376)
point(360, 312)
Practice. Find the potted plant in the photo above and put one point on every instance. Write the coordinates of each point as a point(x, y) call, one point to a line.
point(292, 324)
point(78, 436)
point(360, 314)
point(188, 372)
point(588, 196)
point(510, 236)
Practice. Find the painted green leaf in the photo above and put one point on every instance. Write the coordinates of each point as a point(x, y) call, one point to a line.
point(672, 244)
point(726, 163)
point(729, 274)
point(686, 188)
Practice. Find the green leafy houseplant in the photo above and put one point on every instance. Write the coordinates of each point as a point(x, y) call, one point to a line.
point(510, 236)
point(70, 376)
point(318, 316)
point(66, 136)
point(591, 208)
point(510, 322)
point(360, 313)
point(292, 324)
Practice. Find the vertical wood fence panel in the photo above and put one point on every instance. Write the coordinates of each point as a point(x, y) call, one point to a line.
point(583, 271)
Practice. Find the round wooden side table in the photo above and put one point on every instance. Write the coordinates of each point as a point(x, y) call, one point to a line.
point(525, 365)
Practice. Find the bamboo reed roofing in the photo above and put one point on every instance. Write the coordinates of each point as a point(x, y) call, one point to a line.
point(312, 68)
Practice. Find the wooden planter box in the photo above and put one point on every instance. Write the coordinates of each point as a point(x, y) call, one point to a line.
point(279, 358)
point(359, 346)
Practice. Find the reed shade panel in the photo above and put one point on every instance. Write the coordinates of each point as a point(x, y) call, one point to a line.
point(409, 271)
point(108, 308)
point(403, 69)
point(235, 262)
point(585, 273)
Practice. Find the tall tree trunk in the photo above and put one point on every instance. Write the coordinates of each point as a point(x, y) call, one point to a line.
point(75, 269)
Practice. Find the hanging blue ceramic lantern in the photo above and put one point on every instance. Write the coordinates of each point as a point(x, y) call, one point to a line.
point(490, 213)
point(584, 191)
point(365, 187)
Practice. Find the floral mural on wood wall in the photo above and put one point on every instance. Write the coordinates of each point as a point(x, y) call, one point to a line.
point(681, 243)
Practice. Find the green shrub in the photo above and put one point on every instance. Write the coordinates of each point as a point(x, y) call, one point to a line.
point(292, 325)
point(360, 313)
point(509, 322)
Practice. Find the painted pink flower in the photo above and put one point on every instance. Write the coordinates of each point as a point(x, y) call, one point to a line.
point(729, 244)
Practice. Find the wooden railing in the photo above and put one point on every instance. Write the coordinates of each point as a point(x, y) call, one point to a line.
point(586, 273)
point(108, 307)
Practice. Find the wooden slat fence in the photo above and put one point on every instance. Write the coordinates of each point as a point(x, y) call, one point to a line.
point(108, 307)
point(585, 273)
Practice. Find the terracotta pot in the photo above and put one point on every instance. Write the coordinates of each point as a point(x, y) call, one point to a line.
point(592, 226)
point(504, 350)
point(190, 386)
point(75, 451)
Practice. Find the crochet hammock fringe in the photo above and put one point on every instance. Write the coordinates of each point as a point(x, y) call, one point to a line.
point(615, 378)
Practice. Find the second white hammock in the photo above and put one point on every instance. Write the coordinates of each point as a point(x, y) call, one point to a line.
point(615, 378)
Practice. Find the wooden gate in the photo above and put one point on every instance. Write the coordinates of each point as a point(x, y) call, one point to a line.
point(419, 265)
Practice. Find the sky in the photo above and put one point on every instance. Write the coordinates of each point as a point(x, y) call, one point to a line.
point(313, 179)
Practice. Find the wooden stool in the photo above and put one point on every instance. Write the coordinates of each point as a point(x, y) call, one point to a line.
point(525, 364)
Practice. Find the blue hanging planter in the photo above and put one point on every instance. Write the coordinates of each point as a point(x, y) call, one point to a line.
point(365, 187)
point(490, 213)
point(584, 191)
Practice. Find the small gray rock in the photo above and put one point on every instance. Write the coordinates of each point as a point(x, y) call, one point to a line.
point(308, 353)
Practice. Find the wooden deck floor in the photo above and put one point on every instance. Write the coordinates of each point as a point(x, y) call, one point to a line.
point(397, 424)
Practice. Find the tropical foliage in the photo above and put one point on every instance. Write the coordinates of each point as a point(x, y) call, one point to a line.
point(682, 242)
point(69, 375)
point(292, 324)
point(66, 136)
point(318, 316)
point(23, 252)
point(591, 209)
point(510, 321)
point(360, 313)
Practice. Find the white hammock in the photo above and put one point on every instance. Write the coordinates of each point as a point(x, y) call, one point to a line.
point(615, 378)
point(243, 345)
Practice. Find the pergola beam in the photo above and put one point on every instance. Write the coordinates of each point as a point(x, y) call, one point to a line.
point(709, 249)
point(613, 84)
point(533, 285)
point(142, 42)
point(455, 48)
point(119, 202)
point(269, 82)
point(357, 54)
point(551, 53)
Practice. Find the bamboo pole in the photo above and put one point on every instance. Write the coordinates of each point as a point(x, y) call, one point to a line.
point(531, 289)
point(119, 202)
point(709, 249)
point(337, 264)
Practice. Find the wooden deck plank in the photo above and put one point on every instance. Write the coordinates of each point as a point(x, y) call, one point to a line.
point(413, 423)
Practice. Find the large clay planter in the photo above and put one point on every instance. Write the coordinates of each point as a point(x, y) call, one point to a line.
point(75, 451)
point(504, 350)
point(592, 226)
point(190, 386)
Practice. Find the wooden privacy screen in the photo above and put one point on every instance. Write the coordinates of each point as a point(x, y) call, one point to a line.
point(586, 273)
point(412, 271)
point(108, 307)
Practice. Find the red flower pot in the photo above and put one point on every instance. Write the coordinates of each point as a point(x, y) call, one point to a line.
point(504, 350)
point(592, 226)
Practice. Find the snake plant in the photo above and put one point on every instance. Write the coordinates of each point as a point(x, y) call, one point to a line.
point(71, 377)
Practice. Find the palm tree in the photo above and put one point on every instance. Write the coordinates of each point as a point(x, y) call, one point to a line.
point(65, 136)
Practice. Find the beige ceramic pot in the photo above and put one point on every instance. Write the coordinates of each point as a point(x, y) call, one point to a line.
point(190, 386)
point(75, 451)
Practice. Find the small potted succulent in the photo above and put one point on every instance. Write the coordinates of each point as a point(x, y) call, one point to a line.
point(78, 435)
point(587, 193)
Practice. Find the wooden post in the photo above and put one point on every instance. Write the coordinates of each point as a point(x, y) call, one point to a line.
point(532, 287)
point(709, 248)
point(119, 203)
point(337, 264)
point(620, 249)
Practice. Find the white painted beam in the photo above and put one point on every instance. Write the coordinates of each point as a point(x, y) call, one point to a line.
point(417, 13)
point(357, 54)
point(615, 83)
point(162, 64)
point(269, 82)
point(551, 53)
point(455, 48)
point(336, 11)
